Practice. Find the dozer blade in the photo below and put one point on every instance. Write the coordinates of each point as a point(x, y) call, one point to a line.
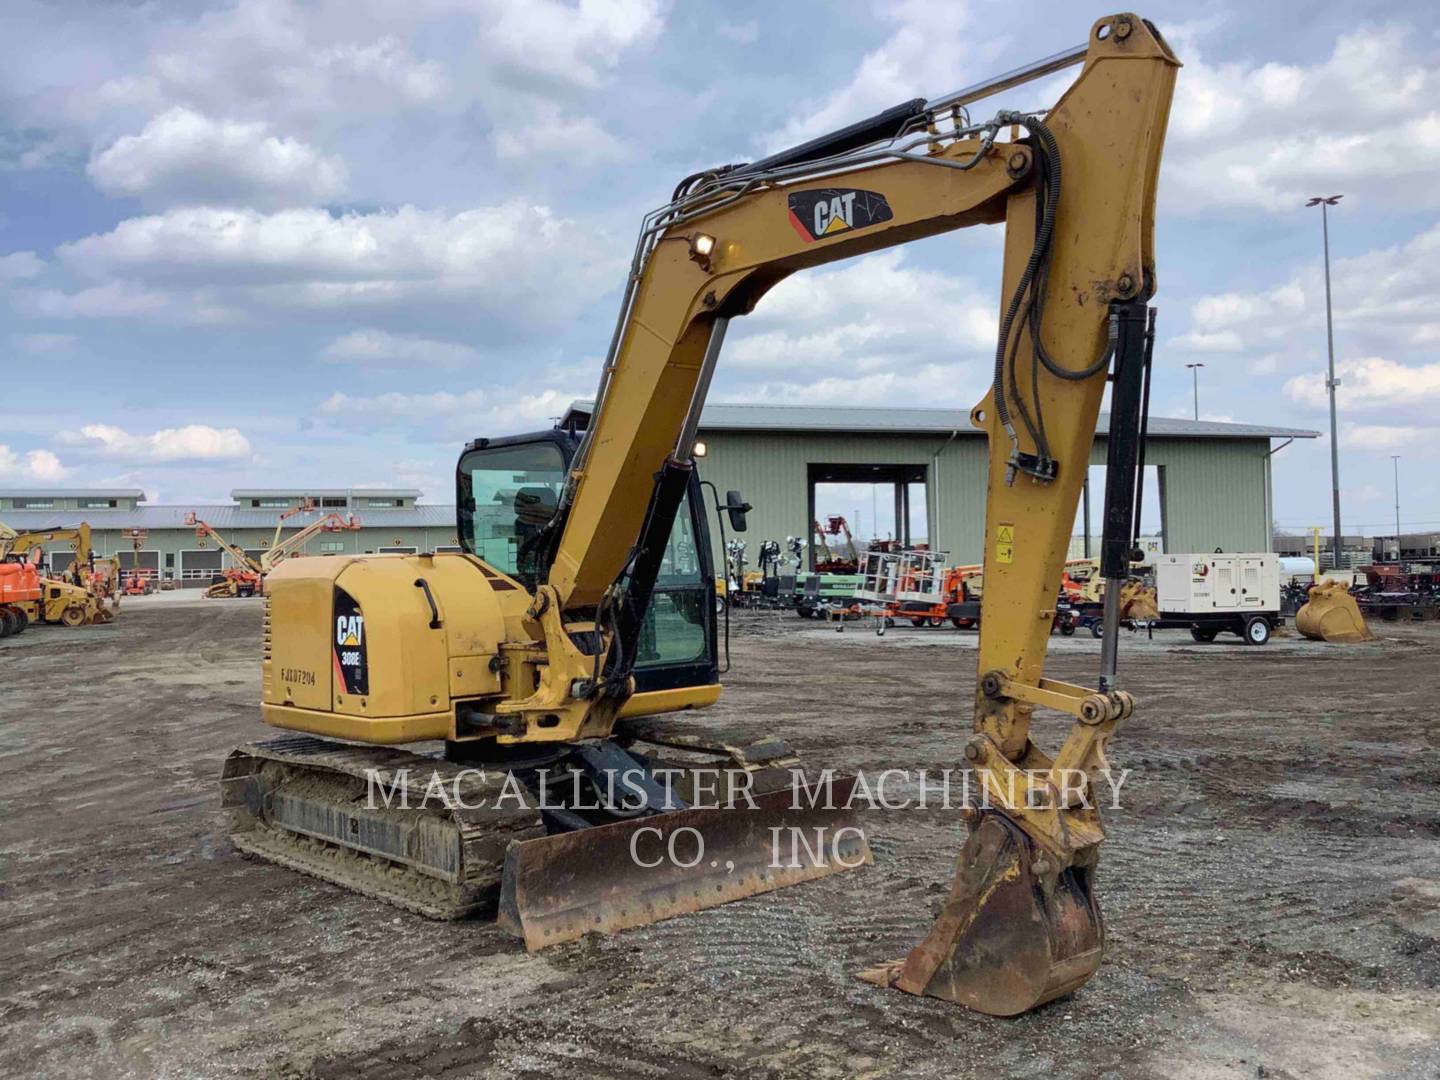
point(1013, 933)
point(1331, 614)
point(612, 877)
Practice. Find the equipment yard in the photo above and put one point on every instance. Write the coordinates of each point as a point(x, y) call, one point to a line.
point(1269, 881)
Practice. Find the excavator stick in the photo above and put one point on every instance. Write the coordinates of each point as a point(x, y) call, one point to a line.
point(1331, 614)
point(1015, 932)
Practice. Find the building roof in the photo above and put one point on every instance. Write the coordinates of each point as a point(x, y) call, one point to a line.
point(431, 516)
point(326, 493)
point(72, 493)
point(831, 418)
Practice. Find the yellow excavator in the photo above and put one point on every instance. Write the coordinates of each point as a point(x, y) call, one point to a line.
point(581, 607)
point(85, 593)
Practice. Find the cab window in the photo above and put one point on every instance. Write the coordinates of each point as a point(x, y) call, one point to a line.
point(507, 495)
point(674, 631)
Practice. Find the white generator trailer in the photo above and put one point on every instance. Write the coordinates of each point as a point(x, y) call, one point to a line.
point(1220, 593)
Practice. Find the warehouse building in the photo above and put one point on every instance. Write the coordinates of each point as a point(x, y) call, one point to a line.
point(1213, 480)
point(157, 537)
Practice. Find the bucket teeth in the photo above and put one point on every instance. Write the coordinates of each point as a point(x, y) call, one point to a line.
point(1014, 933)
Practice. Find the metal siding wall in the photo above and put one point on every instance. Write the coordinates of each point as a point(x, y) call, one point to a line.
point(1214, 488)
point(1214, 494)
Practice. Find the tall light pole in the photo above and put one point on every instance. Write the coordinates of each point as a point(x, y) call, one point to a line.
point(1325, 202)
point(1396, 459)
point(1195, 379)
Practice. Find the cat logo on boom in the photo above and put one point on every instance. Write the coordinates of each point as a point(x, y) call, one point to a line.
point(824, 212)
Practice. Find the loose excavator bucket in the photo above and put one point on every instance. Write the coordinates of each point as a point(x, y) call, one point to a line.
point(1013, 933)
point(1138, 602)
point(1331, 614)
point(631, 873)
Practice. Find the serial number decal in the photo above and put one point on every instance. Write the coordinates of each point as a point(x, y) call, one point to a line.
point(297, 676)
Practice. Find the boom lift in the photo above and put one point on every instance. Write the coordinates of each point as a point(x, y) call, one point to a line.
point(283, 548)
point(827, 561)
point(536, 645)
point(247, 576)
point(242, 579)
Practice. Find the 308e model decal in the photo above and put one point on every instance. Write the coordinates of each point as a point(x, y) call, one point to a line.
point(351, 670)
point(823, 212)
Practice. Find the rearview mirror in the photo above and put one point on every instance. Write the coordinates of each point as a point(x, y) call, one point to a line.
point(736, 507)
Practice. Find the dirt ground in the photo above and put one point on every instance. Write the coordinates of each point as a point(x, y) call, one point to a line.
point(1271, 884)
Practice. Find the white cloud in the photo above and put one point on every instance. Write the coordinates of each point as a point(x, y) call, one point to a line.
point(398, 405)
point(115, 299)
point(494, 243)
point(928, 385)
point(575, 44)
point(918, 60)
point(1222, 341)
point(511, 263)
point(1362, 121)
point(193, 442)
point(746, 33)
point(20, 266)
point(874, 315)
point(1380, 437)
point(36, 466)
point(548, 132)
point(1371, 383)
point(445, 415)
point(183, 156)
point(43, 344)
point(381, 348)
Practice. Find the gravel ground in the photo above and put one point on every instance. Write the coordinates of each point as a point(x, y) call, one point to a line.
point(1271, 884)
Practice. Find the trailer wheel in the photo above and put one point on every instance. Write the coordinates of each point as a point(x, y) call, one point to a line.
point(962, 624)
point(8, 623)
point(1203, 636)
point(1097, 629)
point(23, 619)
point(1257, 630)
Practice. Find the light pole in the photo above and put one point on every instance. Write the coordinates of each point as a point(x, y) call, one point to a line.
point(1325, 202)
point(1195, 379)
point(1396, 459)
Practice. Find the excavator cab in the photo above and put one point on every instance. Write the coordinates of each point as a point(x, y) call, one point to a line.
point(507, 494)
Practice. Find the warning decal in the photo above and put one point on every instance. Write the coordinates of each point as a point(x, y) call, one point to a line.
point(1005, 543)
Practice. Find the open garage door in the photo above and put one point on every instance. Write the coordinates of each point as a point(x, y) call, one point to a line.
point(878, 502)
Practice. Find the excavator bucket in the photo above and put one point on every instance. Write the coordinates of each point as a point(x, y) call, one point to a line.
point(613, 877)
point(1014, 932)
point(1331, 614)
point(1138, 602)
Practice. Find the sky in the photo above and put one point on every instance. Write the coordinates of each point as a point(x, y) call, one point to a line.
point(272, 243)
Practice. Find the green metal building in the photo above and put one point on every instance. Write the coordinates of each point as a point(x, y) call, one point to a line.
point(1214, 479)
point(1214, 484)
